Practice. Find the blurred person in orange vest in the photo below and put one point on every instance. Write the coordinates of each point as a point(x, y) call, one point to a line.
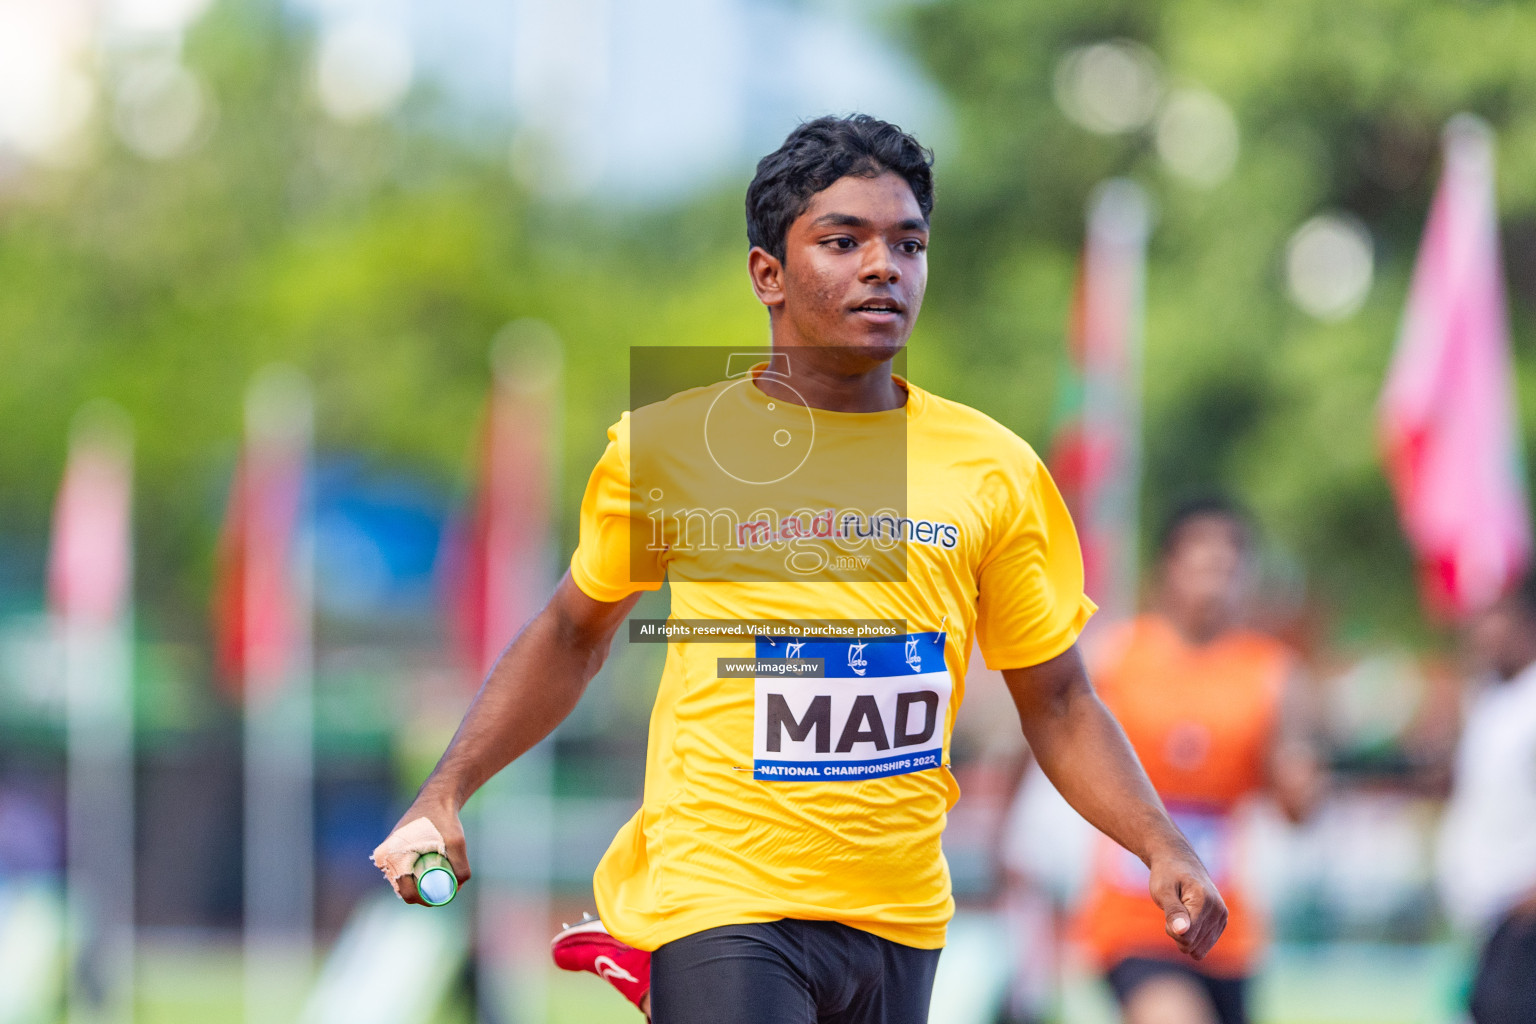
point(1487, 847)
point(1218, 715)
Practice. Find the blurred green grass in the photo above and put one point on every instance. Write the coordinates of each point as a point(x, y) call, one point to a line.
point(199, 982)
point(188, 982)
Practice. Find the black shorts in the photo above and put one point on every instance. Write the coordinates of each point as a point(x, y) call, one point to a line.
point(1229, 996)
point(790, 972)
point(1505, 989)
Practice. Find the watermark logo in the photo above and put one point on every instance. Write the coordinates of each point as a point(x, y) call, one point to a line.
point(759, 450)
point(736, 477)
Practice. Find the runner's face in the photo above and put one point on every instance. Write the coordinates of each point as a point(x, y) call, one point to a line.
point(855, 268)
point(1203, 574)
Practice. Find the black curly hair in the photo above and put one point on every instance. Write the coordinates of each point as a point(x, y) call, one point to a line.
point(818, 153)
point(1216, 506)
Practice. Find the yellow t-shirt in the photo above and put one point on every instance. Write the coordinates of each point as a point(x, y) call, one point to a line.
point(825, 798)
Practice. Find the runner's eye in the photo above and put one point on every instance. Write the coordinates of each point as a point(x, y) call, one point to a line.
point(842, 243)
point(912, 246)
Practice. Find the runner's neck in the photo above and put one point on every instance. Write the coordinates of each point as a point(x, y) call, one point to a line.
point(835, 389)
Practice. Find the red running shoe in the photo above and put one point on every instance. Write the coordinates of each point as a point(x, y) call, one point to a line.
point(587, 946)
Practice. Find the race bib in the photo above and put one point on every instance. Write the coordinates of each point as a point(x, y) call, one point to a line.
point(873, 709)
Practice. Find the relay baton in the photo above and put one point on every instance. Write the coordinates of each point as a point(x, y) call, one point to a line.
point(436, 883)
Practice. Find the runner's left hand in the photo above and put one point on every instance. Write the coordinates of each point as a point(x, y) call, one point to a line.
point(1194, 913)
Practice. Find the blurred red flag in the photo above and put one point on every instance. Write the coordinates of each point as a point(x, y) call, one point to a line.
point(1096, 452)
point(495, 559)
point(253, 604)
point(1080, 452)
point(1448, 422)
point(89, 560)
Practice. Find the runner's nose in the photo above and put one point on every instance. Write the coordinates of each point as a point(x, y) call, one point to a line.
point(879, 267)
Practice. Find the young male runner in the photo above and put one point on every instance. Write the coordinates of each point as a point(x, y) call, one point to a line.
point(1216, 713)
point(786, 865)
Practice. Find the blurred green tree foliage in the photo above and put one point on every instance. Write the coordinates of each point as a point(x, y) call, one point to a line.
point(1339, 108)
point(383, 258)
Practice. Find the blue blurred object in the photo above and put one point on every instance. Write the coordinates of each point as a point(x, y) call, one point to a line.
point(31, 829)
point(376, 541)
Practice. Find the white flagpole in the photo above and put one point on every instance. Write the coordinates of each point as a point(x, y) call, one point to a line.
point(1118, 223)
point(279, 707)
point(94, 573)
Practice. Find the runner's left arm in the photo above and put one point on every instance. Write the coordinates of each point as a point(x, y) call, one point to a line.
point(1085, 753)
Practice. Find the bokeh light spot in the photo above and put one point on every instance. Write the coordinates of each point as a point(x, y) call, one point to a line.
point(1329, 266)
point(1197, 137)
point(159, 110)
point(1109, 87)
point(364, 68)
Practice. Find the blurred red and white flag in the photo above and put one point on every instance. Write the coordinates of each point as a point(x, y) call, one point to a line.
point(1448, 421)
point(90, 559)
point(496, 565)
point(263, 612)
point(256, 615)
point(1096, 454)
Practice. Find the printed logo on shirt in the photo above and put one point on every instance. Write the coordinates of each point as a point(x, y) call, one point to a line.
point(850, 525)
point(879, 710)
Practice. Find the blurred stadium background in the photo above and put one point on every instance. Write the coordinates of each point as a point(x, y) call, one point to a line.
point(384, 193)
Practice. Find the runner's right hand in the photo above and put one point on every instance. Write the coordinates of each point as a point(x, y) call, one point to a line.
point(446, 819)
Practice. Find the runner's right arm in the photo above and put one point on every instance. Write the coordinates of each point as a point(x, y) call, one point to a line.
point(533, 686)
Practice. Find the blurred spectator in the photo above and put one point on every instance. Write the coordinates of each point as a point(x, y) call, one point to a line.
point(1045, 852)
point(1217, 714)
point(1487, 848)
